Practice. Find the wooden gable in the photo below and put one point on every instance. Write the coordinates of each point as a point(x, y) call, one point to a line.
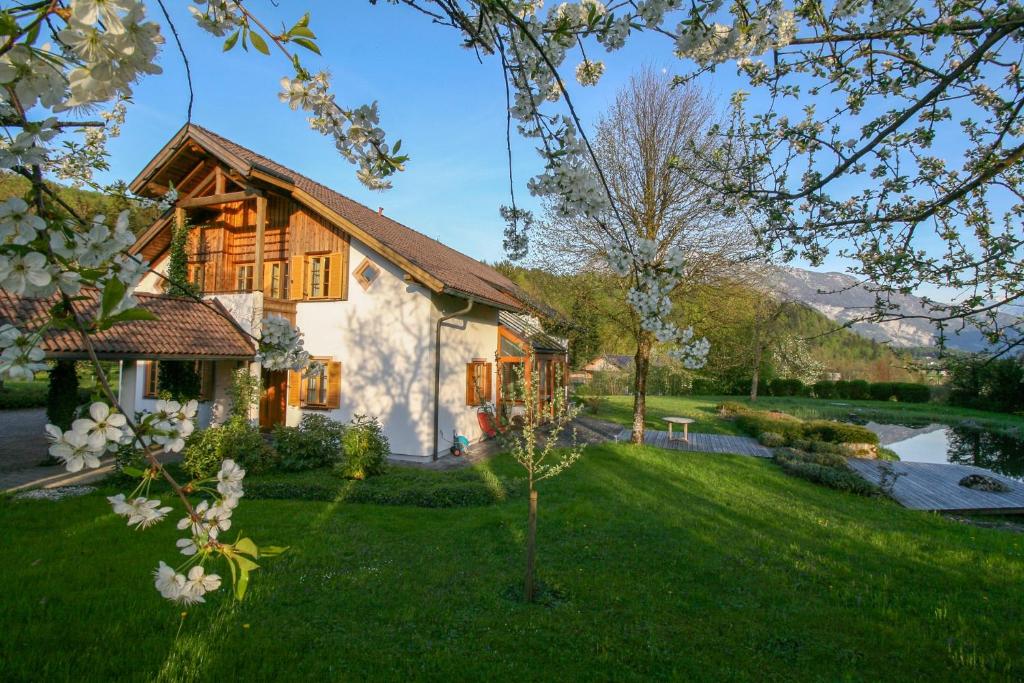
point(239, 223)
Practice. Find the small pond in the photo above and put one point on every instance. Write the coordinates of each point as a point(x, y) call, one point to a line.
point(960, 445)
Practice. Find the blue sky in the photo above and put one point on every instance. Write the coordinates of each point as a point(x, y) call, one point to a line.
point(446, 107)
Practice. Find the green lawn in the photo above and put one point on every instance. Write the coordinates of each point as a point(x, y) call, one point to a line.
point(673, 565)
point(702, 409)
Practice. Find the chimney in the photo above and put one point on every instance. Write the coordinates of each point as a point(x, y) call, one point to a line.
point(380, 210)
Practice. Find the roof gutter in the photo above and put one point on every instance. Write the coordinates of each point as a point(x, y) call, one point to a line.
point(437, 368)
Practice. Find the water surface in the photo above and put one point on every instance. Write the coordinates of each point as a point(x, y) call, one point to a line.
point(960, 445)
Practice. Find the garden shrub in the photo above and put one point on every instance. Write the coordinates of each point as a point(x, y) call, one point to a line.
point(887, 454)
point(824, 389)
point(821, 453)
point(825, 469)
point(704, 387)
point(365, 449)
point(62, 394)
point(202, 452)
point(316, 442)
point(731, 408)
point(236, 439)
point(771, 439)
point(754, 423)
point(796, 432)
point(838, 432)
point(841, 389)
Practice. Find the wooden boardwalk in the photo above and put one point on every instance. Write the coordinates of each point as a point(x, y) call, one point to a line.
point(704, 443)
point(935, 486)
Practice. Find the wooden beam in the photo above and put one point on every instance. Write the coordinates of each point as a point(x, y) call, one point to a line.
point(261, 228)
point(219, 185)
point(197, 169)
point(210, 200)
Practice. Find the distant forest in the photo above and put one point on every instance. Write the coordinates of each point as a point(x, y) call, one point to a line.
point(587, 311)
point(86, 203)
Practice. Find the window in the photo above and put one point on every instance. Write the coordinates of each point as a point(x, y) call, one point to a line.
point(150, 386)
point(320, 390)
point(245, 278)
point(316, 388)
point(478, 382)
point(151, 379)
point(275, 279)
point(510, 348)
point(205, 369)
point(366, 273)
point(319, 277)
point(197, 275)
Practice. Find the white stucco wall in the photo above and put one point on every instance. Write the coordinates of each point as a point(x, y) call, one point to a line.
point(384, 339)
point(463, 339)
point(379, 336)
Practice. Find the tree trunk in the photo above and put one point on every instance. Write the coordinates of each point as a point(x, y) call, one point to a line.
point(531, 547)
point(641, 364)
point(757, 370)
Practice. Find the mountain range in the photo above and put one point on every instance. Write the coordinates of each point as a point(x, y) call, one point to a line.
point(840, 298)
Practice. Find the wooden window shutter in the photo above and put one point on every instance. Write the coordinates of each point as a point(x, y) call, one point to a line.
point(333, 384)
point(294, 387)
point(268, 281)
point(488, 373)
point(344, 269)
point(298, 274)
point(470, 384)
point(147, 377)
point(334, 285)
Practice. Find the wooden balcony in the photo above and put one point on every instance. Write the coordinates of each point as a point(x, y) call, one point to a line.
point(281, 307)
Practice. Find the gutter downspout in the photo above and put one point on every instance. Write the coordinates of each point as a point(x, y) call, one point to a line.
point(437, 367)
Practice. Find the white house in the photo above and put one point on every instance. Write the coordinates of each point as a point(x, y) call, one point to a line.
point(409, 330)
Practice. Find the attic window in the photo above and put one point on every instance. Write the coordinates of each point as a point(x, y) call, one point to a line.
point(367, 273)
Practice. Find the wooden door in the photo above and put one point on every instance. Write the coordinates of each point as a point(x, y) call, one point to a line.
point(274, 397)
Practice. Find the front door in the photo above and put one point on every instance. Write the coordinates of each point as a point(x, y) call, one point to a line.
point(272, 401)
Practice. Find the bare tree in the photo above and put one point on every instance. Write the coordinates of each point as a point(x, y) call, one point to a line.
point(639, 143)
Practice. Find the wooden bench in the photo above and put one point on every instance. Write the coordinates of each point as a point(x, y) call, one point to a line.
point(685, 421)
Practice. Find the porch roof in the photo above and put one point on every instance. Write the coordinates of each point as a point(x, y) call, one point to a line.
point(185, 329)
point(528, 331)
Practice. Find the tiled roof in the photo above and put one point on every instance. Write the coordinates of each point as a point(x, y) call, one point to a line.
point(457, 271)
point(184, 329)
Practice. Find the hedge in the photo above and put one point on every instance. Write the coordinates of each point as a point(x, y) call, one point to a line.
point(400, 486)
point(21, 395)
point(786, 387)
point(905, 392)
point(793, 429)
point(823, 470)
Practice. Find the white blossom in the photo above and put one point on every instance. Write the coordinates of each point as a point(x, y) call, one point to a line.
point(76, 451)
point(229, 479)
